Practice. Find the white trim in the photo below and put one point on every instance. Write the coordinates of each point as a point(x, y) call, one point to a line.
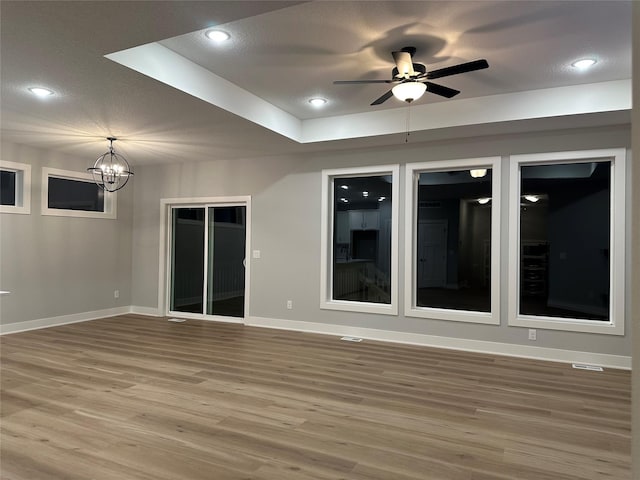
point(461, 344)
point(165, 241)
point(412, 173)
point(62, 320)
point(23, 187)
point(206, 318)
point(615, 325)
point(148, 311)
point(326, 240)
point(110, 198)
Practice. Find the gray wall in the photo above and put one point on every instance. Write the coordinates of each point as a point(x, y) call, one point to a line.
point(635, 451)
point(286, 229)
point(61, 265)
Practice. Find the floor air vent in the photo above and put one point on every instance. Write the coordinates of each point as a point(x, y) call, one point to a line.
point(583, 366)
point(351, 339)
point(176, 320)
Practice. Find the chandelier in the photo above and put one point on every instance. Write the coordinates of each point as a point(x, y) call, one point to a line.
point(111, 171)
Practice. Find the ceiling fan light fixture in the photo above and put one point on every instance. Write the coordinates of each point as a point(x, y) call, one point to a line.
point(409, 91)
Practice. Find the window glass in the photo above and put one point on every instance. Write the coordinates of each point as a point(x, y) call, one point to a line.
point(187, 261)
point(68, 194)
point(362, 214)
point(7, 187)
point(453, 240)
point(565, 240)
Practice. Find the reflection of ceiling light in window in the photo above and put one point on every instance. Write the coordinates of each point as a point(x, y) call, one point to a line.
point(365, 194)
point(217, 35)
point(532, 198)
point(584, 63)
point(41, 91)
point(483, 201)
point(478, 173)
point(344, 200)
point(344, 187)
point(317, 102)
point(382, 199)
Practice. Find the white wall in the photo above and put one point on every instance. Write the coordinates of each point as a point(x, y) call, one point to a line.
point(286, 229)
point(58, 266)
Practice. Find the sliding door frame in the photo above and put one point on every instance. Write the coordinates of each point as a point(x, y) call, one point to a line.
point(164, 259)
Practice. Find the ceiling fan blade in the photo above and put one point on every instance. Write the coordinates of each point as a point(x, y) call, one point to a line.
point(383, 98)
point(440, 90)
point(404, 63)
point(350, 82)
point(456, 69)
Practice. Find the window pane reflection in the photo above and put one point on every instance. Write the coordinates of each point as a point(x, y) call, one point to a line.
point(7, 187)
point(226, 270)
point(453, 242)
point(362, 239)
point(68, 194)
point(565, 240)
point(187, 262)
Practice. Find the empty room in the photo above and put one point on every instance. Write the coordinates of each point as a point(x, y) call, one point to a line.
point(319, 240)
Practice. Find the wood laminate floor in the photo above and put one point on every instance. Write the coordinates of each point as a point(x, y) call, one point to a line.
point(138, 398)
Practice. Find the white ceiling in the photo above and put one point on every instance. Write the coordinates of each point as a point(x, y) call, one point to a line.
point(248, 96)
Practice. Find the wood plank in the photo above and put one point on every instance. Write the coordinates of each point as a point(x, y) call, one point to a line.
point(139, 398)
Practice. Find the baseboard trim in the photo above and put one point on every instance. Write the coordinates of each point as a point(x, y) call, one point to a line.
point(62, 320)
point(149, 311)
point(478, 346)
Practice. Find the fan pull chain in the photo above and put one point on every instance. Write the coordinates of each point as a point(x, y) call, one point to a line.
point(406, 138)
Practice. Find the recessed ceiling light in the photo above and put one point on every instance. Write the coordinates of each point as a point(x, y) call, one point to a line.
point(484, 201)
point(583, 63)
point(317, 101)
point(217, 35)
point(40, 91)
point(532, 198)
point(344, 187)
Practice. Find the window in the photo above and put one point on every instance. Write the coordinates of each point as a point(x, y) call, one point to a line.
point(567, 241)
point(360, 239)
point(74, 194)
point(15, 187)
point(452, 269)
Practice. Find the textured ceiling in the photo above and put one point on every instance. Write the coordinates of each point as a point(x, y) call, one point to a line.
point(284, 53)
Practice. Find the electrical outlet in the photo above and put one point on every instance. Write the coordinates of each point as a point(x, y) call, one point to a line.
point(256, 254)
point(533, 335)
point(116, 294)
point(289, 304)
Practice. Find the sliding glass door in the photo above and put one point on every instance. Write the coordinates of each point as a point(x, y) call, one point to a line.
point(207, 263)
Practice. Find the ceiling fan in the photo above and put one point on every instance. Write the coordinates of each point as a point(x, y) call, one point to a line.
point(412, 79)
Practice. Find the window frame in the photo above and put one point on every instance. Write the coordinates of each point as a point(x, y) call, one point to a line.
point(412, 174)
point(327, 229)
point(110, 198)
point(23, 187)
point(617, 268)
